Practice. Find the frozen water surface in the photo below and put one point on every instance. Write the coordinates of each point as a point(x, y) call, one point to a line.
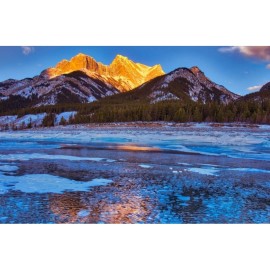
point(192, 173)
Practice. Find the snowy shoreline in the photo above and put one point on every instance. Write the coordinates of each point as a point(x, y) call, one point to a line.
point(150, 125)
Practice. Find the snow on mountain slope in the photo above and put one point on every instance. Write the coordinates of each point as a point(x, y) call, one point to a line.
point(34, 119)
point(8, 119)
point(12, 121)
point(69, 88)
point(64, 115)
point(159, 95)
point(15, 122)
point(184, 83)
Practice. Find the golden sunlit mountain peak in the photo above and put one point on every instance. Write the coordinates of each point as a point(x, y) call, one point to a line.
point(119, 56)
point(81, 55)
point(122, 73)
point(196, 70)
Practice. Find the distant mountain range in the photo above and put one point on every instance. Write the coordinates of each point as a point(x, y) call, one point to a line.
point(79, 80)
point(84, 80)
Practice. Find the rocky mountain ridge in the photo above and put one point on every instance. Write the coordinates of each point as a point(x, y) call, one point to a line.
point(122, 73)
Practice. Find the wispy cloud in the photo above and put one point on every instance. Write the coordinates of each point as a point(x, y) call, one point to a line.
point(26, 50)
point(228, 49)
point(257, 52)
point(268, 66)
point(254, 88)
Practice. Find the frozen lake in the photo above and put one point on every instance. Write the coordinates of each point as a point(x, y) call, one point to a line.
point(136, 174)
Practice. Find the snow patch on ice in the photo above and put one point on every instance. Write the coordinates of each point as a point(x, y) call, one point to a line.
point(145, 166)
point(110, 160)
point(26, 156)
point(250, 170)
point(99, 182)
point(184, 164)
point(205, 171)
point(210, 165)
point(46, 183)
point(8, 168)
point(267, 127)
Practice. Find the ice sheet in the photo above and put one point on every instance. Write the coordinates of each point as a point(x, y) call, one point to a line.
point(243, 143)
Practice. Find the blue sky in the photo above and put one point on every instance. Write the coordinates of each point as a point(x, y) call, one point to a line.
point(238, 68)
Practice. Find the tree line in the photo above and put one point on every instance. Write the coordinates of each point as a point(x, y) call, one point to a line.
point(105, 111)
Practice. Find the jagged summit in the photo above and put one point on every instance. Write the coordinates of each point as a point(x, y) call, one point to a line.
point(81, 55)
point(122, 73)
point(195, 70)
point(120, 57)
point(199, 73)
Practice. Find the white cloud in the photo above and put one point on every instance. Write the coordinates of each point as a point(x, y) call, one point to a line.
point(259, 52)
point(27, 50)
point(254, 88)
point(268, 66)
point(228, 49)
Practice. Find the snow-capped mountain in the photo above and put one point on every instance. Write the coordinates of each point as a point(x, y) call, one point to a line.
point(185, 84)
point(81, 79)
point(122, 73)
point(68, 88)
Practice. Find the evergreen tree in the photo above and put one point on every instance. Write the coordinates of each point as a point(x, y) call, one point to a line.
point(63, 121)
point(48, 120)
point(29, 125)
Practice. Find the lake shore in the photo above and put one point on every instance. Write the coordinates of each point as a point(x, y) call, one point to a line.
point(150, 125)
